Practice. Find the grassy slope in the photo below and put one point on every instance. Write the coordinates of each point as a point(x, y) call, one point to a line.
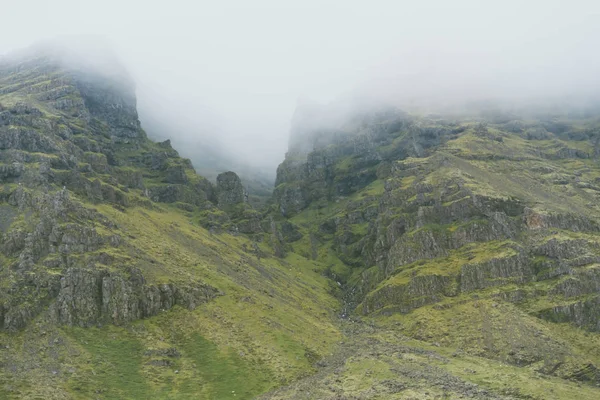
point(278, 318)
point(475, 337)
point(273, 322)
point(381, 362)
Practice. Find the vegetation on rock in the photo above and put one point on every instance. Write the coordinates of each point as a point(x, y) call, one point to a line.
point(401, 256)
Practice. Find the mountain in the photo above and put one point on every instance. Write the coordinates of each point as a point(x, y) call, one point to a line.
point(401, 255)
point(111, 285)
point(468, 243)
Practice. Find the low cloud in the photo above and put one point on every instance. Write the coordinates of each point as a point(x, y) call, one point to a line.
point(228, 74)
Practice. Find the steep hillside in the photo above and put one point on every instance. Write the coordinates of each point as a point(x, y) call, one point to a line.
point(474, 240)
point(112, 287)
point(401, 256)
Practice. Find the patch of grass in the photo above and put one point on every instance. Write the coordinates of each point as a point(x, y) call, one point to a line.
point(115, 365)
point(221, 375)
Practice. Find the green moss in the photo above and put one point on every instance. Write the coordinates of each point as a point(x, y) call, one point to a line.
point(345, 165)
point(115, 369)
point(228, 375)
point(277, 317)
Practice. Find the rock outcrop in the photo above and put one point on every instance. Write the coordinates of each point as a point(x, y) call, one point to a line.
point(229, 190)
point(92, 297)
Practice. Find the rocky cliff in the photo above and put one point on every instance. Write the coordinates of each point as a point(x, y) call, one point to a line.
point(121, 268)
point(421, 216)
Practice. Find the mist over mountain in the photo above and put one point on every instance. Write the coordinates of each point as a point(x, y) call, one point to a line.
point(203, 144)
point(236, 70)
point(300, 200)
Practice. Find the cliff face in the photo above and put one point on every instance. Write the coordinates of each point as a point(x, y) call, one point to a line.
point(344, 160)
point(89, 297)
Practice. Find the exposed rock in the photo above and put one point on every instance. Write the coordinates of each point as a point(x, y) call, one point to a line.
point(540, 220)
point(418, 292)
point(290, 232)
point(88, 297)
point(230, 190)
point(176, 174)
point(583, 314)
point(517, 268)
point(177, 193)
point(291, 199)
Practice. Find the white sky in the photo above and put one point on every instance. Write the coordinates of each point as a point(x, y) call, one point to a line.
point(241, 65)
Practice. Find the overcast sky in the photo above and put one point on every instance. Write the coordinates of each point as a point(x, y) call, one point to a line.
point(238, 67)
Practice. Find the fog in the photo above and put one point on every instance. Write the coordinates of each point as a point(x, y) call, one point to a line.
point(228, 74)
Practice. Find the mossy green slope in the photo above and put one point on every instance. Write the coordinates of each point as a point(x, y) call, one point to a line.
point(112, 287)
point(478, 239)
point(462, 256)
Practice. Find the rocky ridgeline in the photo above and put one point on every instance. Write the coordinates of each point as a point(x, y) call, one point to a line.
point(343, 162)
point(72, 129)
point(80, 129)
point(421, 221)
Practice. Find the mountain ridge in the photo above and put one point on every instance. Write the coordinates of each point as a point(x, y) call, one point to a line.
point(104, 229)
point(401, 255)
point(430, 217)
